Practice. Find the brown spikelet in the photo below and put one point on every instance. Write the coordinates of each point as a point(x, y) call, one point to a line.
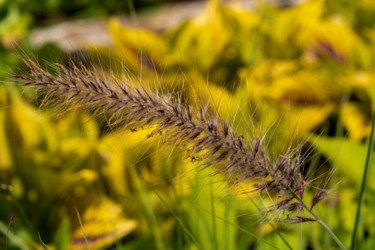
point(298, 219)
point(318, 197)
point(205, 136)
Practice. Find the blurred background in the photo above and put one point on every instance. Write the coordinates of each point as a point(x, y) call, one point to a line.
point(292, 71)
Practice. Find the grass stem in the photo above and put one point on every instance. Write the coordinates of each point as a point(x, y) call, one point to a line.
point(270, 223)
point(83, 231)
point(325, 226)
point(214, 236)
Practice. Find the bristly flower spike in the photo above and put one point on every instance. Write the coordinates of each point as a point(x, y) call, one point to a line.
point(203, 134)
point(206, 134)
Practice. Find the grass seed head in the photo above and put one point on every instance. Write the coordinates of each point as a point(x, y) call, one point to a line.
point(203, 134)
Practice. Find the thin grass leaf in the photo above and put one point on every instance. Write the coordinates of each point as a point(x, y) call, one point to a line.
point(83, 231)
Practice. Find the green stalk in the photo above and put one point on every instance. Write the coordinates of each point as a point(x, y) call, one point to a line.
point(214, 236)
point(21, 211)
point(153, 220)
point(83, 231)
point(178, 219)
point(273, 227)
point(238, 227)
point(316, 217)
point(364, 181)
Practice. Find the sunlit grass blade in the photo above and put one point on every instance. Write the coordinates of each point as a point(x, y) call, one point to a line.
point(41, 241)
point(147, 204)
point(324, 225)
point(83, 231)
point(181, 223)
point(214, 236)
point(238, 227)
point(273, 227)
point(21, 212)
point(14, 239)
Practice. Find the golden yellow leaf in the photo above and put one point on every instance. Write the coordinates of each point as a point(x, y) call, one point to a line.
point(103, 224)
point(300, 119)
point(77, 126)
point(115, 149)
point(356, 121)
point(138, 47)
point(244, 190)
point(336, 40)
point(203, 38)
point(290, 25)
point(303, 88)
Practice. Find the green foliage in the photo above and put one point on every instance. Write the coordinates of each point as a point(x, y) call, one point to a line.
point(348, 155)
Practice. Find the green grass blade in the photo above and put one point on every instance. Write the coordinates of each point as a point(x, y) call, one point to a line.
point(363, 184)
point(316, 217)
point(83, 231)
point(214, 236)
point(14, 239)
point(152, 216)
point(21, 212)
point(273, 227)
point(186, 230)
point(239, 228)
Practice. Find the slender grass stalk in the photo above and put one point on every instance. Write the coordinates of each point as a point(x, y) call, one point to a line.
point(281, 236)
point(21, 212)
point(155, 224)
point(41, 241)
point(177, 218)
point(17, 241)
point(270, 223)
point(83, 231)
point(326, 228)
point(212, 201)
point(178, 213)
point(6, 238)
point(238, 227)
point(364, 182)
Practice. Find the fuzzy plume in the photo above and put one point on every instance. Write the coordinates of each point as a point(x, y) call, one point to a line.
point(203, 135)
